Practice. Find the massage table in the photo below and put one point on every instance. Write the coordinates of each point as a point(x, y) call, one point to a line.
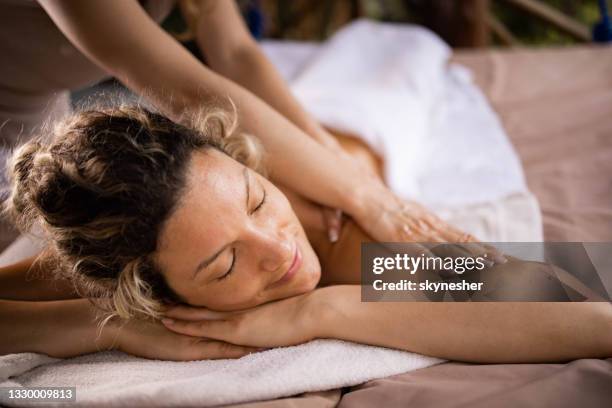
point(556, 106)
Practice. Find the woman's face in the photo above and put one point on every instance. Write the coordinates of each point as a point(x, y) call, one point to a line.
point(234, 241)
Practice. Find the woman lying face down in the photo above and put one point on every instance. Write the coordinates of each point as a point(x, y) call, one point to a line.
point(142, 212)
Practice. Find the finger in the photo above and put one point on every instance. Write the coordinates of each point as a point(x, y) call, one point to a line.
point(413, 234)
point(452, 250)
point(429, 234)
point(480, 250)
point(419, 248)
point(204, 349)
point(212, 329)
point(433, 221)
point(448, 232)
point(495, 254)
point(410, 232)
point(194, 313)
point(214, 350)
point(440, 230)
point(333, 222)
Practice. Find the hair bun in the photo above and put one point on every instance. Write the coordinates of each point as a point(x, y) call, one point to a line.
point(22, 176)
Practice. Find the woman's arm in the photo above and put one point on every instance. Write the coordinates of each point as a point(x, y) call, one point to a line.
point(485, 332)
point(62, 328)
point(68, 328)
point(502, 332)
point(231, 51)
point(31, 279)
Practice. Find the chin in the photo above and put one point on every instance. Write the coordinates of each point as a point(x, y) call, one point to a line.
point(311, 274)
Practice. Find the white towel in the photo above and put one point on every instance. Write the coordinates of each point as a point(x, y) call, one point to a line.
point(116, 379)
point(390, 86)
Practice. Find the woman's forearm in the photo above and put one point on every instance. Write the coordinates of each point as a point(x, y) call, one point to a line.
point(63, 328)
point(31, 279)
point(471, 331)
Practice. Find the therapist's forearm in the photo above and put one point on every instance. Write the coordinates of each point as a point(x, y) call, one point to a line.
point(249, 67)
point(293, 158)
point(471, 331)
point(146, 59)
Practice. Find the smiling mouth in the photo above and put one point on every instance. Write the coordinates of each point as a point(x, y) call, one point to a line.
point(295, 265)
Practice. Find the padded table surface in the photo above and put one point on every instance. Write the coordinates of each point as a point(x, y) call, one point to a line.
point(556, 105)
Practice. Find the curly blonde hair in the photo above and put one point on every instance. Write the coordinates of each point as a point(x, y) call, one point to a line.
point(101, 188)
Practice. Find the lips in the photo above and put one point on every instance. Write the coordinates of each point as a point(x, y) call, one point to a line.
point(293, 268)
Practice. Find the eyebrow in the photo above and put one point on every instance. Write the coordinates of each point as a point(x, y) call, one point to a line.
point(206, 262)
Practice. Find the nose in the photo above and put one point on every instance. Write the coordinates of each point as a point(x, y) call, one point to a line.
point(275, 249)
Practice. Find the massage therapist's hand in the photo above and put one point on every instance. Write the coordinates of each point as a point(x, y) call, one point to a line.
point(389, 218)
point(154, 341)
point(280, 323)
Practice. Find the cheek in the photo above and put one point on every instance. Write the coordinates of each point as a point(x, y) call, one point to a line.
point(240, 291)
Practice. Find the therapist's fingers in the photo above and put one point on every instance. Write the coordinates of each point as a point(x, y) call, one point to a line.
point(430, 228)
point(417, 228)
point(481, 249)
point(333, 222)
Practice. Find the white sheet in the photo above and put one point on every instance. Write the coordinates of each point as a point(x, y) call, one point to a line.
point(443, 146)
point(390, 85)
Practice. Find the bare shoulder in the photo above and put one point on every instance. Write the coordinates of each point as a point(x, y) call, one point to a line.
point(341, 261)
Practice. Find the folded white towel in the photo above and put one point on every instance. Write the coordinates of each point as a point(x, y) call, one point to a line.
point(116, 379)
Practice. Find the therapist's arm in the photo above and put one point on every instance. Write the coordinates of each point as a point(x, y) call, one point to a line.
point(120, 37)
point(231, 51)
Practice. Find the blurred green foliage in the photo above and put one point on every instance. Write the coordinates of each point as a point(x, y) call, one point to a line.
point(314, 20)
point(531, 31)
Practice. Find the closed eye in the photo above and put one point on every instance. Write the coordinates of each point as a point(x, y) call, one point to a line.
point(263, 200)
point(231, 268)
point(257, 208)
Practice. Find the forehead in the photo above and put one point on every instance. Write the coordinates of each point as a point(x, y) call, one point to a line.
point(213, 199)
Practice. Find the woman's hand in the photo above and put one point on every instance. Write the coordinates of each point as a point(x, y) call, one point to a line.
point(281, 323)
point(152, 340)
